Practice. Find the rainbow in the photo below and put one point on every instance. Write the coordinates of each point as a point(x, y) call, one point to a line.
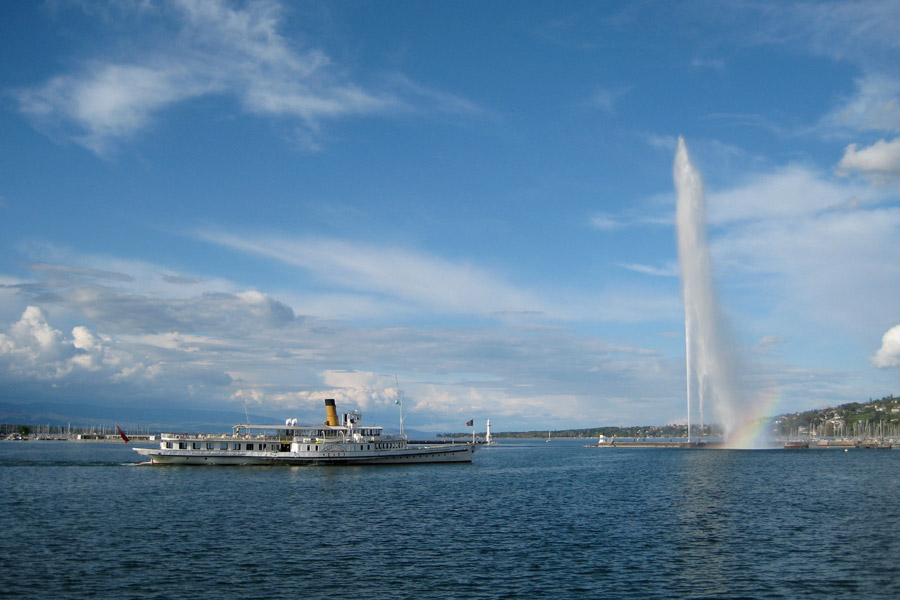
point(752, 435)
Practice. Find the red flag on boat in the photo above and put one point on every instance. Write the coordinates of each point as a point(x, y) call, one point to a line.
point(122, 433)
point(470, 422)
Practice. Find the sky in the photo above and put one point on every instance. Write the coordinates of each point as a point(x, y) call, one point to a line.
point(207, 204)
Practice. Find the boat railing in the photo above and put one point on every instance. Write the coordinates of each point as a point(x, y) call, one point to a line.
point(218, 436)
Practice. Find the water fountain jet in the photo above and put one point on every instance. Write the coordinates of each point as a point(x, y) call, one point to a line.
point(710, 366)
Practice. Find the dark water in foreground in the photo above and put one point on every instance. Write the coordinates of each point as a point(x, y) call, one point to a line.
point(526, 520)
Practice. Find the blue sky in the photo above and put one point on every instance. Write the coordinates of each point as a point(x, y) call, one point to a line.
point(311, 198)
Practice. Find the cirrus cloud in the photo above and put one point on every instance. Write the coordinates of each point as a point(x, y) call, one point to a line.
point(212, 49)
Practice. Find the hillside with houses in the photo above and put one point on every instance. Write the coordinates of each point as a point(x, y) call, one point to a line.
point(862, 420)
point(875, 418)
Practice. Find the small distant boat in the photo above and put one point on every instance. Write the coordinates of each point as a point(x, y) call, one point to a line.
point(345, 442)
point(873, 445)
point(836, 444)
point(548, 437)
point(798, 445)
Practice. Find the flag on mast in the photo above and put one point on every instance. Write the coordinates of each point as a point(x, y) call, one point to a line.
point(122, 434)
point(470, 422)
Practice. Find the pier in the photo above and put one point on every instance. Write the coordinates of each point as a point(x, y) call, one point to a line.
point(653, 444)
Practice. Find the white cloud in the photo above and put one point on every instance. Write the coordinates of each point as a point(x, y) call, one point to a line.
point(791, 192)
point(605, 100)
point(771, 340)
point(605, 223)
point(128, 342)
point(864, 32)
point(33, 349)
point(874, 106)
point(812, 248)
point(391, 279)
point(669, 270)
point(829, 264)
point(32, 345)
point(217, 49)
point(879, 162)
point(889, 354)
point(411, 277)
point(42, 363)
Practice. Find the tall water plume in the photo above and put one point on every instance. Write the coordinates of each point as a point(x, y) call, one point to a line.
point(710, 366)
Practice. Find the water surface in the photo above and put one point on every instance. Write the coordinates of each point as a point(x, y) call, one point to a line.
point(526, 520)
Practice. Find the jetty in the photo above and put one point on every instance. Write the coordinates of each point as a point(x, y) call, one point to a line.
point(652, 444)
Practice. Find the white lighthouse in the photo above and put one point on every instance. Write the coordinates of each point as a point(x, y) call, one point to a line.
point(487, 435)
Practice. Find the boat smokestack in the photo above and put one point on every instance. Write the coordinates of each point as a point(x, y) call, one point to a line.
point(331, 417)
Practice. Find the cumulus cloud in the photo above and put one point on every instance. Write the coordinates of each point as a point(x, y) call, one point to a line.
point(128, 341)
point(32, 348)
point(362, 388)
point(888, 355)
point(33, 351)
point(879, 162)
point(292, 364)
point(31, 345)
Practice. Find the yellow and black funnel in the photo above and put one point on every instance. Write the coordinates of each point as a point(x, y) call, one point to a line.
point(331, 417)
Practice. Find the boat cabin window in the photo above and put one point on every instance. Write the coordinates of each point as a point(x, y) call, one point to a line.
point(209, 445)
point(168, 444)
point(235, 446)
point(249, 446)
point(182, 445)
point(223, 446)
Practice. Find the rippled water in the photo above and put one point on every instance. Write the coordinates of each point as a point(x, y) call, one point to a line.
point(526, 520)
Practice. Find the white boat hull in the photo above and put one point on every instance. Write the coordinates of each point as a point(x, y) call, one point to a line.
point(457, 453)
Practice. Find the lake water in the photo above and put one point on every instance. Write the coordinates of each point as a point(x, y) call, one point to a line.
point(526, 520)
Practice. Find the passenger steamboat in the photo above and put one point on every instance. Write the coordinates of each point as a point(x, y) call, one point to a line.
point(344, 442)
